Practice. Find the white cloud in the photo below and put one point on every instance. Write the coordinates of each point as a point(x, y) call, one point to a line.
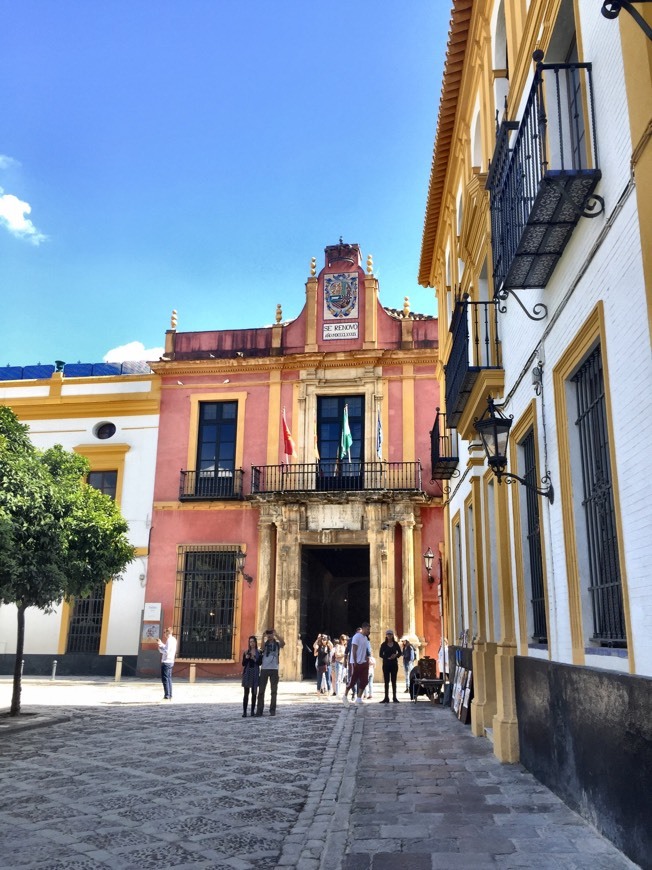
point(13, 213)
point(134, 350)
point(7, 162)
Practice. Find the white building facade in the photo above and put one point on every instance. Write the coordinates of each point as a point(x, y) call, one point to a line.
point(537, 240)
point(109, 414)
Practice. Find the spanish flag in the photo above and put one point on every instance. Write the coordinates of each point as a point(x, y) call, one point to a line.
point(288, 442)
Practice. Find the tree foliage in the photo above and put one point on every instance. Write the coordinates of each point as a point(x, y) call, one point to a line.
point(59, 537)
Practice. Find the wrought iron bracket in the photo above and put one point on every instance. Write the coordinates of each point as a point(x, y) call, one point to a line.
point(611, 9)
point(548, 492)
point(593, 205)
point(539, 312)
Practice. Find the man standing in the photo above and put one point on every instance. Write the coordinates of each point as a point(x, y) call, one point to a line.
point(359, 659)
point(168, 651)
point(272, 645)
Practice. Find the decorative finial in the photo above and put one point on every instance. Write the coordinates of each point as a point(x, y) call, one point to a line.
point(173, 320)
point(279, 313)
point(313, 266)
point(370, 265)
point(406, 307)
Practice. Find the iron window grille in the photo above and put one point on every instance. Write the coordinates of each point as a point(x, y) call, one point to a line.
point(605, 586)
point(204, 613)
point(538, 603)
point(85, 627)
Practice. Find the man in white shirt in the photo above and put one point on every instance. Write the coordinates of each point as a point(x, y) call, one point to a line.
point(360, 653)
point(168, 651)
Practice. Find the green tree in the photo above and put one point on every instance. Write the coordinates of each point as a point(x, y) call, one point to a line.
point(58, 536)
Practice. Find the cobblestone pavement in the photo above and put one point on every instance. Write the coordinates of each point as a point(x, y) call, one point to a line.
point(129, 781)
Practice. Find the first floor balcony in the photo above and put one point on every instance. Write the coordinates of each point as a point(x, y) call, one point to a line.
point(336, 476)
point(211, 484)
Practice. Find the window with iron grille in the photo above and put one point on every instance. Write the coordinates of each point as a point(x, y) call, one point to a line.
point(605, 587)
point(533, 538)
point(205, 601)
point(85, 627)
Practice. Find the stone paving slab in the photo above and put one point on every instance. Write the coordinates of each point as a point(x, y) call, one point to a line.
point(121, 779)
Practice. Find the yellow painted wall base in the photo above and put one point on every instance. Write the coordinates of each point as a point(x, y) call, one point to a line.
point(505, 725)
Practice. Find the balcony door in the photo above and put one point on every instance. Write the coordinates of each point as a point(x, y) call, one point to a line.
point(337, 472)
point(216, 448)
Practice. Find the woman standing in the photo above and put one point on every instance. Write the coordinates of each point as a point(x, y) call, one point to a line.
point(251, 660)
point(322, 648)
point(337, 664)
point(390, 652)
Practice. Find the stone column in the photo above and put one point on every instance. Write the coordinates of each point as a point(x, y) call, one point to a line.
point(407, 565)
point(288, 595)
point(266, 574)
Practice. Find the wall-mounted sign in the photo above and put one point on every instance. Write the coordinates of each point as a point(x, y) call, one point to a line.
point(152, 612)
point(344, 329)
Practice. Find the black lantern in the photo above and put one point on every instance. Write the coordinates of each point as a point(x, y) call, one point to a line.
point(240, 558)
point(493, 428)
point(428, 556)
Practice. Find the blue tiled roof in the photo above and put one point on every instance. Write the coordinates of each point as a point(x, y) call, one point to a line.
point(75, 370)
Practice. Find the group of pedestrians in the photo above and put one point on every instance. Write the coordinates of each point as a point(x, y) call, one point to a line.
point(346, 664)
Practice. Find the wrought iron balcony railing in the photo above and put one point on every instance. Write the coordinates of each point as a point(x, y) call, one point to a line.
point(444, 449)
point(476, 346)
point(211, 485)
point(342, 476)
point(543, 175)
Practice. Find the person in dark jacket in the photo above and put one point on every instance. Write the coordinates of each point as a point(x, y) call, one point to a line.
point(390, 652)
point(251, 659)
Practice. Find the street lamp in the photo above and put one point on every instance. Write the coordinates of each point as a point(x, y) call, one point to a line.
point(428, 556)
point(240, 558)
point(493, 428)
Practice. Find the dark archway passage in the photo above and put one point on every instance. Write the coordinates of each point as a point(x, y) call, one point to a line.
point(334, 595)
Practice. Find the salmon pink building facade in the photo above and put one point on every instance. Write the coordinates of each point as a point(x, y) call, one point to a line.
point(293, 482)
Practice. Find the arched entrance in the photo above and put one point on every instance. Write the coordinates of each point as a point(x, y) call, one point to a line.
point(334, 595)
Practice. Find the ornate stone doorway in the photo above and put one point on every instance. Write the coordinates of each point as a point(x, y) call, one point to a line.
point(334, 595)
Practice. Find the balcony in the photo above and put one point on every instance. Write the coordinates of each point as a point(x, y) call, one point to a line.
point(475, 348)
point(444, 449)
point(330, 477)
point(542, 176)
point(211, 485)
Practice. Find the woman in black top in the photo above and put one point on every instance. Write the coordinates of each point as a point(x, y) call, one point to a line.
point(390, 653)
point(251, 660)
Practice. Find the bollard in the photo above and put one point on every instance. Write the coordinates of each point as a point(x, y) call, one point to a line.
point(54, 669)
point(118, 669)
point(193, 670)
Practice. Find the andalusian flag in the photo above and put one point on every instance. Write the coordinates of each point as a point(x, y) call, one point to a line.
point(288, 443)
point(346, 440)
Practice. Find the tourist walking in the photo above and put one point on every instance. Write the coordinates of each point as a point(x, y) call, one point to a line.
point(409, 655)
point(168, 652)
point(389, 653)
point(251, 660)
point(369, 691)
point(272, 646)
point(360, 658)
point(337, 664)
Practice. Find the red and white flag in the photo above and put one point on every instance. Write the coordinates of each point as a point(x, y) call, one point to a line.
point(288, 442)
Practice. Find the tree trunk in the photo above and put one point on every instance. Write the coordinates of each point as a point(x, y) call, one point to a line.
point(18, 664)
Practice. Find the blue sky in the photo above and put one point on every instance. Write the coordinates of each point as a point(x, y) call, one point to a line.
point(196, 154)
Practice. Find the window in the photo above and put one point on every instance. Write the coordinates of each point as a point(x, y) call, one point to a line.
point(85, 627)
point(216, 448)
point(205, 602)
point(104, 431)
point(605, 588)
point(330, 419)
point(105, 481)
point(537, 622)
